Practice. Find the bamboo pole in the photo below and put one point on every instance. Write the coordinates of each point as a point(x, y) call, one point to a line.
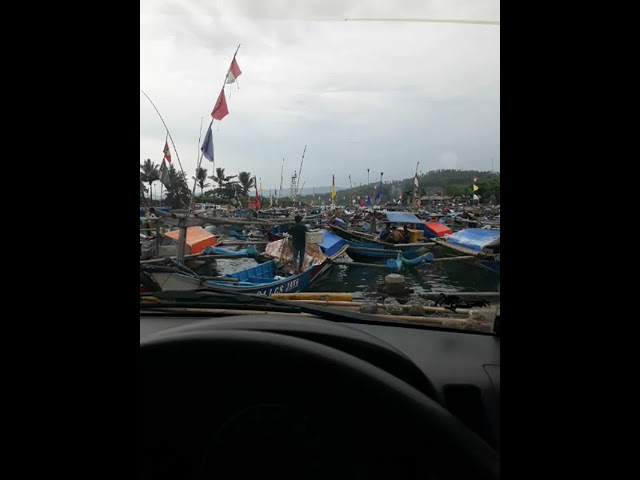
point(242, 242)
point(379, 305)
point(361, 264)
point(220, 279)
point(224, 312)
point(167, 128)
point(347, 297)
point(450, 259)
point(367, 249)
point(182, 240)
point(193, 257)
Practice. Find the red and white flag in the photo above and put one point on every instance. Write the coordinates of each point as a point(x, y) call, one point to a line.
point(475, 179)
point(220, 110)
point(234, 71)
point(167, 152)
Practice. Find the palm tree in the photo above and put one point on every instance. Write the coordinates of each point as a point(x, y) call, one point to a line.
point(178, 193)
point(149, 173)
point(246, 182)
point(200, 178)
point(222, 180)
point(220, 177)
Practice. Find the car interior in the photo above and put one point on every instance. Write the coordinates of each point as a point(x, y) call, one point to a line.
point(304, 397)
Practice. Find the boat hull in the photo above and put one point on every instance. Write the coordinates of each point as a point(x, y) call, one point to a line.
point(173, 281)
point(362, 249)
point(474, 242)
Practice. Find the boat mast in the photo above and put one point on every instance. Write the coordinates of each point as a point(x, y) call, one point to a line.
point(294, 186)
point(281, 179)
point(300, 172)
point(416, 188)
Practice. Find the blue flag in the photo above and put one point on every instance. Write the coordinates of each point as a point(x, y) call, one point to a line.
point(379, 192)
point(368, 203)
point(207, 146)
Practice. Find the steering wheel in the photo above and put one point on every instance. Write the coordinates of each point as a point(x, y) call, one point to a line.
point(245, 401)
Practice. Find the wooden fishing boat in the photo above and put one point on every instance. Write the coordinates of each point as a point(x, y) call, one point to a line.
point(363, 247)
point(481, 243)
point(259, 280)
point(262, 279)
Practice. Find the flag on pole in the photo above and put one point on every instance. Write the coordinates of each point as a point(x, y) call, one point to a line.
point(379, 192)
point(164, 174)
point(476, 188)
point(260, 186)
point(220, 110)
point(255, 184)
point(207, 146)
point(234, 71)
point(475, 179)
point(333, 188)
point(167, 152)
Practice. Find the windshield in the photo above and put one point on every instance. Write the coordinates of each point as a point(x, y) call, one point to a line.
point(343, 154)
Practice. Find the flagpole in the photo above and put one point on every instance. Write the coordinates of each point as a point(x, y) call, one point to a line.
point(164, 164)
point(224, 83)
point(200, 136)
point(167, 128)
point(416, 188)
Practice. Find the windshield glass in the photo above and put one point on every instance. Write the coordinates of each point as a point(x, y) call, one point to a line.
point(344, 154)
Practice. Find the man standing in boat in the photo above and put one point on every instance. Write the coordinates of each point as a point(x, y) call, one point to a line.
point(298, 237)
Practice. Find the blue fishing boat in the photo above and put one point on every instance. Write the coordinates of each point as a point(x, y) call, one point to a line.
point(259, 280)
point(262, 279)
point(483, 244)
point(365, 248)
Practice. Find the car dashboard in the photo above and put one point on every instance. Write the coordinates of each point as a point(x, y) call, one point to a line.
point(462, 366)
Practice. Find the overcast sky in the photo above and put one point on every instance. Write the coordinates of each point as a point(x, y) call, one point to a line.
point(359, 94)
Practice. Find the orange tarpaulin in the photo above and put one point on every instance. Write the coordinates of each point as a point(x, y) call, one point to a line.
point(197, 239)
point(439, 229)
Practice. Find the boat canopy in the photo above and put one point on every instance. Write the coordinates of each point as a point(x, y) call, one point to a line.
point(402, 217)
point(473, 238)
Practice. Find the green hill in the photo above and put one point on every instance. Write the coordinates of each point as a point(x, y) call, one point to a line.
point(446, 182)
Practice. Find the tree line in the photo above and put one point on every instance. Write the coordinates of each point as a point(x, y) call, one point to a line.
point(449, 182)
point(227, 188)
point(231, 189)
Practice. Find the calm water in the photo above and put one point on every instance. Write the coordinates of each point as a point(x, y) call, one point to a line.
point(447, 277)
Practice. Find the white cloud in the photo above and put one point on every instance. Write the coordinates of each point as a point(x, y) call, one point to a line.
point(381, 95)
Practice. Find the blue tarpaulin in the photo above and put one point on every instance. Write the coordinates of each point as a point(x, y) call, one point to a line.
point(402, 217)
point(473, 238)
point(331, 244)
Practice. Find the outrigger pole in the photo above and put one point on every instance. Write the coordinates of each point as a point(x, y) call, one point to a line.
point(167, 128)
